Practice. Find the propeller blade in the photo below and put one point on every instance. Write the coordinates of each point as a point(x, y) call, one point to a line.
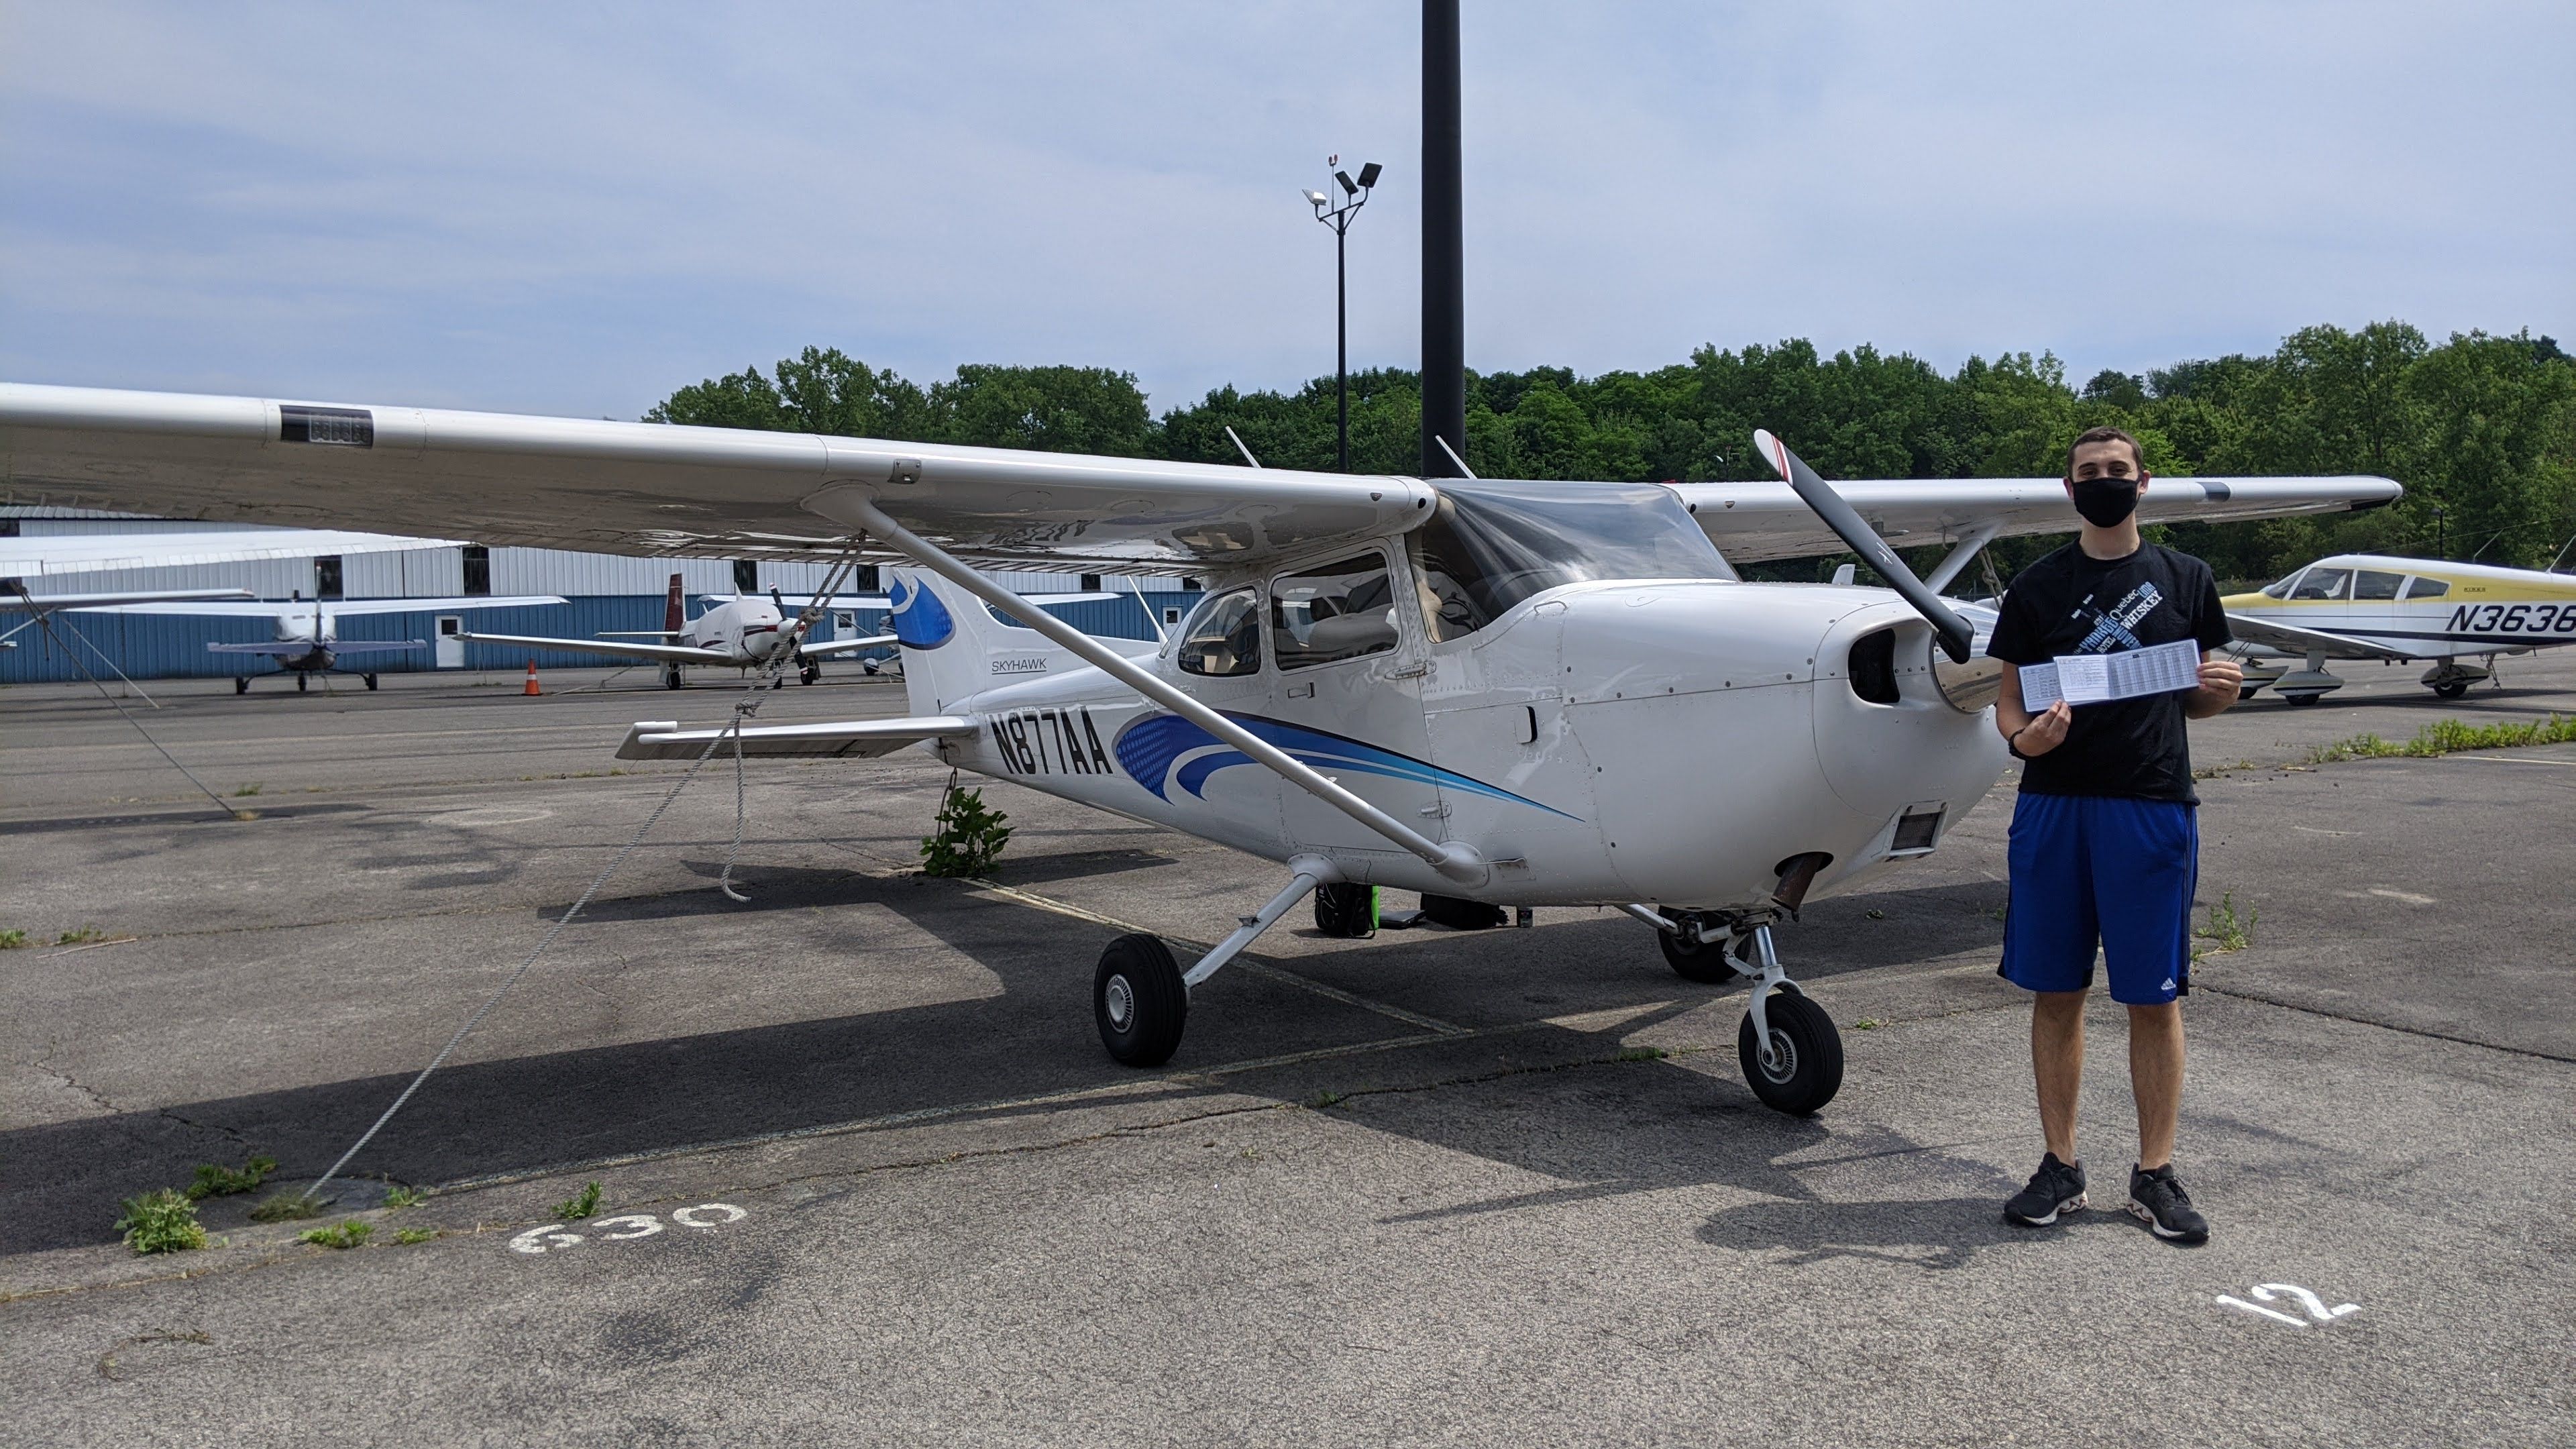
point(1956, 638)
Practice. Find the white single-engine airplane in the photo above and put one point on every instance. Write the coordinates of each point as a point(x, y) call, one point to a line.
point(738, 632)
point(307, 638)
point(2398, 610)
point(1503, 693)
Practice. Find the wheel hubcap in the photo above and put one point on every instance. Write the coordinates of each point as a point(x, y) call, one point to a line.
point(1120, 998)
point(1780, 1061)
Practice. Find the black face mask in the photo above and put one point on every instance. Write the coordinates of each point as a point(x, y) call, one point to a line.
point(2104, 502)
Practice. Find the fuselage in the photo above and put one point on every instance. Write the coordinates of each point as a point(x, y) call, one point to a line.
point(744, 629)
point(1672, 741)
point(2419, 607)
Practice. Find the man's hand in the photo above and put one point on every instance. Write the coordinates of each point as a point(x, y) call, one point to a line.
point(2045, 732)
point(2222, 682)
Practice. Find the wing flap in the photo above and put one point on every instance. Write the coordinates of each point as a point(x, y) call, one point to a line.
point(855, 739)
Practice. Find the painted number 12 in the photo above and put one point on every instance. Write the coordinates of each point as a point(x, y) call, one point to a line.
point(2318, 1312)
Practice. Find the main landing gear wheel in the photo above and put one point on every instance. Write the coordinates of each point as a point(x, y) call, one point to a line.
point(671, 677)
point(371, 680)
point(1346, 909)
point(303, 682)
point(1705, 962)
point(2452, 690)
point(1459, 914)
point(1140, 1001)
point(2303, 699)
point(241, 685)
point(809, 674)
point(1805, 1068)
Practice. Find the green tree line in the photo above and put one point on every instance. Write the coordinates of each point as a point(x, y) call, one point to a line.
point(2481, 429)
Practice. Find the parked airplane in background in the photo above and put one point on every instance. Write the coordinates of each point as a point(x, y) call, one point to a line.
point(1499, 694)
point(308, 639)
point(736, 631)
point(2398, 610)
point(14, 598)
point(43, 558)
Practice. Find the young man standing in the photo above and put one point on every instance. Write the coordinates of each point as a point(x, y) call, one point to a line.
point(2105, 838)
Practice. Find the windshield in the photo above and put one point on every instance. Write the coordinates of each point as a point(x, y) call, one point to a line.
point(1489, 546)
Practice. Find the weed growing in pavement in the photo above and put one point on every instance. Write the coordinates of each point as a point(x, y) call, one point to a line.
point(214, 1180)
point(80, 936)
point(2225, 932)
point(338, 1235)
point(409, 1236)
point(1868, 1023)
point(253, 788)
point(161, 1221)
point(2445, 736)
point(286, 1207)
point(969, 837)
point(1327, 1098)
point(580, 1205)
point(402, 1197)
point(12, 939)
point(1641, 1054)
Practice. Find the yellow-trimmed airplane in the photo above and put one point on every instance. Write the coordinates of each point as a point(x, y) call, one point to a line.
point(2398, 610)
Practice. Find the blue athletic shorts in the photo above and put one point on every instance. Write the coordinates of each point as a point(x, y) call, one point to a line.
point(2089, 868)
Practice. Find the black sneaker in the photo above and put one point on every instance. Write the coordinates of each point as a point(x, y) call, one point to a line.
point(2157, 1199)
point(2056, 1188)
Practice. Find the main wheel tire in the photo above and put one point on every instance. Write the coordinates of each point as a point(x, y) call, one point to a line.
point(2452, 690)
point(1347, 910)
point(810, 674)
point(303, 682)
point(2303, 700)
point(671, 678)
point(2248, 691)
point(1810, 1051)
point(1705, 962)
point(1461, 915)
point(371, 680)
point(242, 685)
point(1139, 1000)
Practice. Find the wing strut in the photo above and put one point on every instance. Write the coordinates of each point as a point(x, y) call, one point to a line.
point(1457, 861)
point(1960, 556)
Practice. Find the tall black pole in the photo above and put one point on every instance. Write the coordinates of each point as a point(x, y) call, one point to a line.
point(1342, 343)
point(1444, 288)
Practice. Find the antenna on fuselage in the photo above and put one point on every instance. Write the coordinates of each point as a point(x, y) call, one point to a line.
point(1463, 470)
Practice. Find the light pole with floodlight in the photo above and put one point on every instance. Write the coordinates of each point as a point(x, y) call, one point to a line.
point(1355, 194)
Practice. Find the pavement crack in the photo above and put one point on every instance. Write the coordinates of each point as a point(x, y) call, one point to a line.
point(2426, 1032)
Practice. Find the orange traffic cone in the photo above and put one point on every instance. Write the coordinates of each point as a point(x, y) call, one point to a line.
point(532, 680)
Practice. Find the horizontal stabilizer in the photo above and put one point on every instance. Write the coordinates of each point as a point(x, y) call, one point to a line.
point(14, 600)
point(663, 653)
point(857, 739)
point(289, 648)
point(847, 646)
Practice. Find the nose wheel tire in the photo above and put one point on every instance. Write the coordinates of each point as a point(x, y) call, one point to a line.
point(2452, 690)
point(1805, 1069)
point(1705, 962)
point(371, 680)
point(1139, 1000)
point(303, 682)
point(809, 674)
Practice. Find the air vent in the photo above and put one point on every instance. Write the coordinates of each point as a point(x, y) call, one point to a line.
point(1873, 667)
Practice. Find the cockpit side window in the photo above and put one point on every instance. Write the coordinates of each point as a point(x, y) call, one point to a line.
point(1223, 636)
point(2322, 584)
point(2374, 584)
point(1342, 610)
point(2427, 589)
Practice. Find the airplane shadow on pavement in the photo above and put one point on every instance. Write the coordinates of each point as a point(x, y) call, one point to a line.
point(1032, 1038)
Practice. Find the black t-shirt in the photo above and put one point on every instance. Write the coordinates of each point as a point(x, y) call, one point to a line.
point(2068, 603)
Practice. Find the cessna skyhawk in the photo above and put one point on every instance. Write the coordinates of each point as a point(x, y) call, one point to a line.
point(1503, 693)
point(306, 635)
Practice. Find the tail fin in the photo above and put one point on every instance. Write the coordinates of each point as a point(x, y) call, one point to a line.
point(953, 647)
point(672, 608)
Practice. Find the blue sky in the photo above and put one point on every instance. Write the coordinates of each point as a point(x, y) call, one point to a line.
point(575, 208)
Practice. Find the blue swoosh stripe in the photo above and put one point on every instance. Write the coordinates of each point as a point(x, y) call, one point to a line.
point(1148, 747)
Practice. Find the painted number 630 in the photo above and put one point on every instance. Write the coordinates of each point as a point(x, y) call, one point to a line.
point(625, 1227)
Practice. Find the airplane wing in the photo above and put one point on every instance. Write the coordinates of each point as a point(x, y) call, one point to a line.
point(290, 647)
point(94, 602)
point(1753, 521)
point(671, 653)
point(2291, 639)
point(845, 646)
point(43, 556)
point(303, 608)
point(657, 490)
point(861, 739)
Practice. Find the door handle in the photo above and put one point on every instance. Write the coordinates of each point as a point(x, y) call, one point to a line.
point(1302, 691)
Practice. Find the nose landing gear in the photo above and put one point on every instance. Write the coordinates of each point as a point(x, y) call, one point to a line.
point(1791, 1053)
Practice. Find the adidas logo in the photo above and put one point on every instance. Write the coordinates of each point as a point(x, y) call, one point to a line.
point(2169, 983)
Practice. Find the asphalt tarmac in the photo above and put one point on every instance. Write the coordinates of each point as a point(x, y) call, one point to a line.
point(867, 1176)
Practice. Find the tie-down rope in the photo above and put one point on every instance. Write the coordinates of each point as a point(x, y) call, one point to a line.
point(743, 709)
point(45, 621)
